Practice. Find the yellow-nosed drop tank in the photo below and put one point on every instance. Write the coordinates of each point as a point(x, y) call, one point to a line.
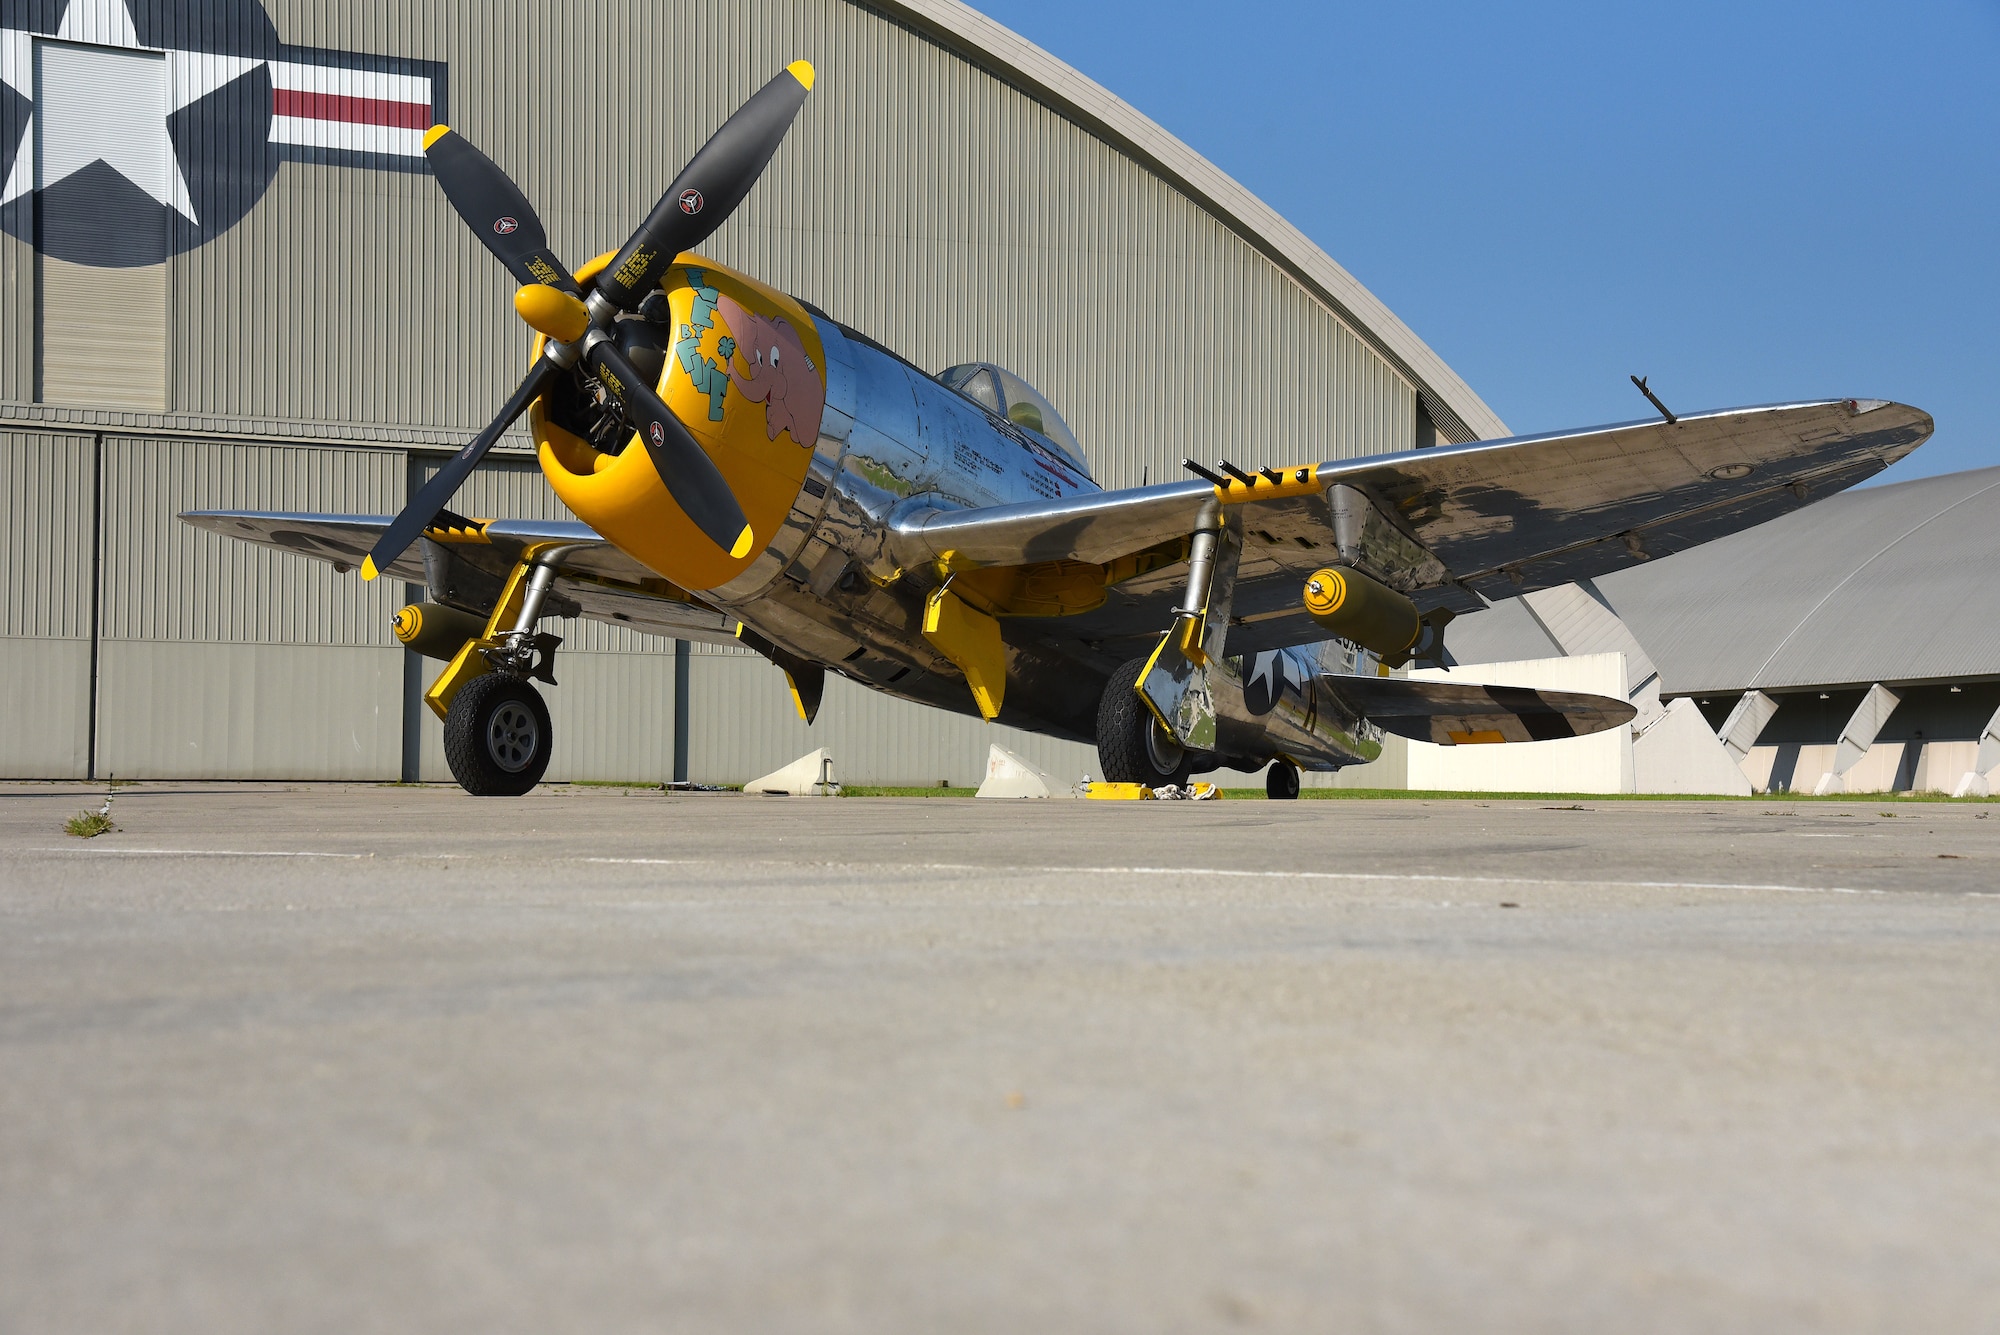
point(1365, 611)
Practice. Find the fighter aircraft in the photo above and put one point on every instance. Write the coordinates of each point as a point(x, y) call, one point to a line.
point(748, 469)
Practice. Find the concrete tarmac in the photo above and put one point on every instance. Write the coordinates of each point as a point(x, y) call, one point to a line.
point(370, 1058)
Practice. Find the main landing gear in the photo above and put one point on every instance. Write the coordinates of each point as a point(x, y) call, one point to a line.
point(1281, 781)
point(1132, 745)
point(497, 736)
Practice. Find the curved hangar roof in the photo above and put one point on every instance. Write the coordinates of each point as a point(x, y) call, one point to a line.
point(1460, 414)
point(1890, 584)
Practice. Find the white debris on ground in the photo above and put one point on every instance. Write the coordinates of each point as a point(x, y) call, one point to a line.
point(1193, 792)
point(1139, 792)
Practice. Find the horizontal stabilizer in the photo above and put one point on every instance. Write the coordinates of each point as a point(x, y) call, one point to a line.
point(1452, 713)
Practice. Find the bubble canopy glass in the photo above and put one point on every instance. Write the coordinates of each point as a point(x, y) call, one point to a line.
point(1005, 394)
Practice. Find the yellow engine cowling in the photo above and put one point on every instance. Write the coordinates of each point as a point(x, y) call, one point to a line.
point(1363, 611)
point(746, 373)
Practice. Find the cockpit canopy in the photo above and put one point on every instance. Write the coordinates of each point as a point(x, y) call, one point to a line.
point(1005, 394)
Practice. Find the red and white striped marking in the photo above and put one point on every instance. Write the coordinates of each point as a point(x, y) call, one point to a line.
point(319, 106)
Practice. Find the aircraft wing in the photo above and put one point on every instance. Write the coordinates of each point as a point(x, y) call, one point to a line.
point(605, 583)
point(1452, 525)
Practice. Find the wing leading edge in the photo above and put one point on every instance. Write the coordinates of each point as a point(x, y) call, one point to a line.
point(1500, 518)
point(602, 581)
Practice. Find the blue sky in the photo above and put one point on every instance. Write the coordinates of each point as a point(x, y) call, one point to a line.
point(1747, 202)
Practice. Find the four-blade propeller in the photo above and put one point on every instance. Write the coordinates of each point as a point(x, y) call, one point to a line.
point(579, 324)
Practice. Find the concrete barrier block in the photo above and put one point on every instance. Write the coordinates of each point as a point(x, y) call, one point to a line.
point(1007, 775)
point(811, 775)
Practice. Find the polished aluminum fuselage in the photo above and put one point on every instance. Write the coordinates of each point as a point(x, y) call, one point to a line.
point(828, 589)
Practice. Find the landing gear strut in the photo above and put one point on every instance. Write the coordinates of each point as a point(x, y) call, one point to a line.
point(497, 735)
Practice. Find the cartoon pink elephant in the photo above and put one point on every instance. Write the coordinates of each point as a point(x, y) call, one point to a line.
point(780, 375)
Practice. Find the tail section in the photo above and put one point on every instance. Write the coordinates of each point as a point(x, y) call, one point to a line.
point(1451, 713)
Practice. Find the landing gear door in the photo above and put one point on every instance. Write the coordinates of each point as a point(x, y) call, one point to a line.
point(1178, 691)
point(1178, 682)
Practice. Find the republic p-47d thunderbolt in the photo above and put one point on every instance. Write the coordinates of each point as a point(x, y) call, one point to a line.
point(747, 469)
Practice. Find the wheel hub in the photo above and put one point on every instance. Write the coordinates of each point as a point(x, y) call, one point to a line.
point(513, 736)
point(1165, 752)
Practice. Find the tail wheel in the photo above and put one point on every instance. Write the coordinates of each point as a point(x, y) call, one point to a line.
point(1131, 745)
point(497, 737)
point(1281, 781)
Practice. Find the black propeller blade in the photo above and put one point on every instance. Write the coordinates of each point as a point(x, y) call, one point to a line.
point(701, 492)
point(700, 200)
point(434, 494)
point(709, 188)
point(495, 209)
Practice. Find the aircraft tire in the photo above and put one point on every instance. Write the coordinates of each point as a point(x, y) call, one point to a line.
point(497, 737)
point(1281, 781)
point(1131, 745)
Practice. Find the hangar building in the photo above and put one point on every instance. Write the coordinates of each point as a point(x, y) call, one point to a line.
point(228, 281)
point(1853, 646)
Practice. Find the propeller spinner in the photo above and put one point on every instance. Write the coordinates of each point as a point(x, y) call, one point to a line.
point(578, 325)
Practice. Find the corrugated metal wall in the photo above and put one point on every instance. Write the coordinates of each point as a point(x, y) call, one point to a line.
point(18, 264)
point(50, 479)
point(48, 483)
point(217, 659)
point(919, 198)
point(104, 335)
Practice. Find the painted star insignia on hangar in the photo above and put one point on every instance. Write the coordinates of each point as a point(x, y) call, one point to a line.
point(90, 114)
point(132, 130)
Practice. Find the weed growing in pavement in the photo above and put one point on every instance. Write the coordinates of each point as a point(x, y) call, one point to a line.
point(88, 824)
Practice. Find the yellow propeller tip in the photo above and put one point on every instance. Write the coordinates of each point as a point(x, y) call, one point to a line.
point(743, 544)
point(435, 133)
point(368, 570)
point(802, 70)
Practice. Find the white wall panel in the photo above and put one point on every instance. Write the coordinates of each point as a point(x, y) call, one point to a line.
point(1798, 768)
point(169, 709)
point(45, 723)
point(1943, 764)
